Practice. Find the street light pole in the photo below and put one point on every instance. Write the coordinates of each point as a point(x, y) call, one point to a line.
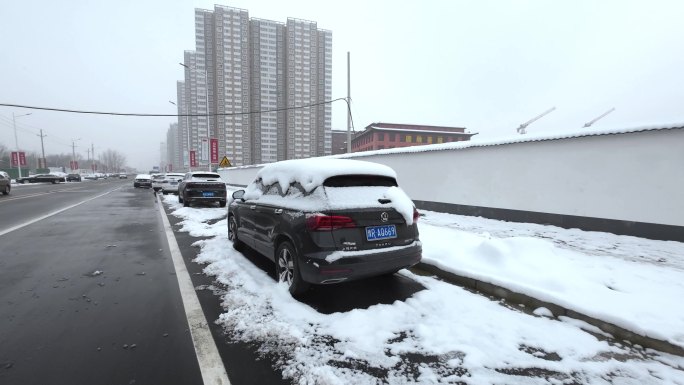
point(16, 141)
point(206, 95)
point(187, 131)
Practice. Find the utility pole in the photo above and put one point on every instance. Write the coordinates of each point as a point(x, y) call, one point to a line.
point(42, 148)
point(349, 137)
point(92, 152)
point(16, 141)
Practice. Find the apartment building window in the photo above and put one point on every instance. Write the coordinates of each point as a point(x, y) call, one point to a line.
point(429, 139)
point(409, 139)
point(380, 136)
point(419, 139)
point(440, 139)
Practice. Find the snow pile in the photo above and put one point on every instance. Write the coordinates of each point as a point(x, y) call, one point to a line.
point(311, 173)
point(642, 297)
point(442, 333)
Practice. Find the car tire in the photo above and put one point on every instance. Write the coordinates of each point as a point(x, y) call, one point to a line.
point(232, 234)
point(24, 181)
point(287, 269)
point(222, 204)
point(7, 190)
point(186, 203)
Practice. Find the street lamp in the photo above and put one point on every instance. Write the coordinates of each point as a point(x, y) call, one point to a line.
point(206, 95)
point(187, 131)
point(16, 141)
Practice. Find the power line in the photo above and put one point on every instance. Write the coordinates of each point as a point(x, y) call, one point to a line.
point(165, 115)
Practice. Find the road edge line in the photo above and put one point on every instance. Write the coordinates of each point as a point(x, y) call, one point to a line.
point(210, 362)
point(34, 220)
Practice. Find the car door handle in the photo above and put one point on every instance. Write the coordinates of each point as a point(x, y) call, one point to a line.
point(278, 211)
point(253, 207)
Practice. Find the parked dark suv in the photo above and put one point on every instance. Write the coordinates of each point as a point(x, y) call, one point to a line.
point(202, 186)
point(326, 221)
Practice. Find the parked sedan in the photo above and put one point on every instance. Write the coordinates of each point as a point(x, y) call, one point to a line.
point(5, 183)
point(326, 221)
point(170, 183)
point(41, 178)
point(73, 178)
point(142, 180)
point(202, 186)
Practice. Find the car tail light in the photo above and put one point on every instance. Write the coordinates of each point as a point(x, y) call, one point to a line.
point(319, 222)
point(416, 215)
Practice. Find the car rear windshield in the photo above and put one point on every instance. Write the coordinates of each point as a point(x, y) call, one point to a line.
point(359, 180)
point(206, 176)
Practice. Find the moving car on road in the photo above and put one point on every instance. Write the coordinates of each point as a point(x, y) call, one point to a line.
point(123, 176)
point(73, 178)
point(326, 221)
point(202, 186)
point(41, 178)
point(5, 183)
point(142, 180)
point(170, 182)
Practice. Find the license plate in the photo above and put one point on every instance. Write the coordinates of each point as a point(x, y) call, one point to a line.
point(376, 233)
point(207, 194)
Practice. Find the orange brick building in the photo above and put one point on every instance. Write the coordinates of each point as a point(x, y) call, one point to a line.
point(379, 136)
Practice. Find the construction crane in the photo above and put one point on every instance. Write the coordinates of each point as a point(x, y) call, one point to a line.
point(521, 129)
point(588, 124)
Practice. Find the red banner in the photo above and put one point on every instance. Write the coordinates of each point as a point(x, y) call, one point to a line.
point(193, 159)
point(73, 164)
point(18, 158)
point(213, 145)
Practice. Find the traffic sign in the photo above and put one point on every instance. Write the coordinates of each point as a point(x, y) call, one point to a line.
point(225, 162)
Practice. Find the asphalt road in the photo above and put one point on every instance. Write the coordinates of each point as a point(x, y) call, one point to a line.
point(89, 295)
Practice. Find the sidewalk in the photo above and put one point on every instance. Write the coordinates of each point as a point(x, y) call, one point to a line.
point(629, 287)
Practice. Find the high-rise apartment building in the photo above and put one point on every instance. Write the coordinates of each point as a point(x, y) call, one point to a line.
point(173, 159)
point(251, 77)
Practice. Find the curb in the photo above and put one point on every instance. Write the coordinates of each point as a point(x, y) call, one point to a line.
point(557, 310)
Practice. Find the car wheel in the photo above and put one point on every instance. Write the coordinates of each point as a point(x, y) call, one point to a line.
point(24, 181)
point(287, 269)
point(186, 203)
point(7, 190)
point(222, 204)
point(232, 234)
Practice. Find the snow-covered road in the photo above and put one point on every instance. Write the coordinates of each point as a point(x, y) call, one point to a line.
point(445, 334)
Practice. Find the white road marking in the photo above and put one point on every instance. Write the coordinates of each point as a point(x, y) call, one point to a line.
point(210, 363)
point(17, 197)
point(34, 220)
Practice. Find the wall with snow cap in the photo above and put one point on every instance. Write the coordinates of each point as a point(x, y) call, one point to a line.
point(629, 178)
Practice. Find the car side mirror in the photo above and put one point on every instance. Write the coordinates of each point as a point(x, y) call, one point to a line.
point(239, 194)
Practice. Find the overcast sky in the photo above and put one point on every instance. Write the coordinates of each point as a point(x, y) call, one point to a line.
point(485, 65)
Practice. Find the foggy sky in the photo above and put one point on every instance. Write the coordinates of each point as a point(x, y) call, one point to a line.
point(485, 65)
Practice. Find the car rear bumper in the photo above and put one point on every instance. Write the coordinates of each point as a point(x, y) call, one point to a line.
point(314, 268)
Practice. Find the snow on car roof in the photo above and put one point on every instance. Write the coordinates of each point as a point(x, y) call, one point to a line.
point(311, 172)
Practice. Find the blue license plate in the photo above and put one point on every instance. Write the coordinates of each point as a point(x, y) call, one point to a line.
point(376, 233)
point(207, 194)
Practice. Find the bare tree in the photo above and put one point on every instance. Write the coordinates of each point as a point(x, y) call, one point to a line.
point(113, 161)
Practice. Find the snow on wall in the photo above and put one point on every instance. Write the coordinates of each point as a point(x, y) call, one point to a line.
point(629, 175)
